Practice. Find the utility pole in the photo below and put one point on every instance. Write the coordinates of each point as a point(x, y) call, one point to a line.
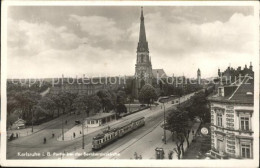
point(32, 120)
point(83, 143)
point(62, 129)
point(129, 103)
point(164, 124)
point(83, 134)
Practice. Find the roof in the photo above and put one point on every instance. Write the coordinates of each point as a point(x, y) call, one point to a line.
point(242, 93)
point(142, 44)
point(19, 121)
point(160, 72)
point(245, 91)
point(100, 116)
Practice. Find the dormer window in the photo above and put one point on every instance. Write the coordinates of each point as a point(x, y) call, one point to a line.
point(221, 91)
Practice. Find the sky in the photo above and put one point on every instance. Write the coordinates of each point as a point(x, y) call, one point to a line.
point(48, 41)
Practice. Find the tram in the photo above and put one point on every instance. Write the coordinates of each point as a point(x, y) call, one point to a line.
point(110, 135)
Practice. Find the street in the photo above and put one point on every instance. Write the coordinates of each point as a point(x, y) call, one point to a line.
point(34, 143)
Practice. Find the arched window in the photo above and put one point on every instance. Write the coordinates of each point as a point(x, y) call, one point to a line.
point(142, 58)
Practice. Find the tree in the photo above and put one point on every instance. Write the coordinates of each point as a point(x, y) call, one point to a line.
point(121, 108)
point(70, 99)
point(80, 103)
point(94, 103)
point(121, 97)
point(87, 103)
point(64, 101)
point(26, 100)
point(57, 100)
point(147, 94)
point(178, 123)
point(106, 100)
point(199, 107)
point(38, 112)
point(48, 105)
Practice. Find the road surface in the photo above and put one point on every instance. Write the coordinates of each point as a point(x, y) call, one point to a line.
point(32, 147)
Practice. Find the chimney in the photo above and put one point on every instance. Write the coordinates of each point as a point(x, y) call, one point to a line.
point(251, 67)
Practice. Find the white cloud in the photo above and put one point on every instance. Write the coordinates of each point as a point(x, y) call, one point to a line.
point(33, 38)
point(98, 26)
point(43, 50)
point(198, 45)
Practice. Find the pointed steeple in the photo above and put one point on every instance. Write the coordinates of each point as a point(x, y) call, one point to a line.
point(142, 44)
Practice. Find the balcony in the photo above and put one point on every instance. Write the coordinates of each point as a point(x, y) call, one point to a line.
point(218, 155)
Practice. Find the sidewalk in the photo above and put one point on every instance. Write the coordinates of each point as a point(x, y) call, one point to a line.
point(36, 128)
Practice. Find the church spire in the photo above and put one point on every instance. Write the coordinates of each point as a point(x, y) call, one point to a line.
point(142, 44)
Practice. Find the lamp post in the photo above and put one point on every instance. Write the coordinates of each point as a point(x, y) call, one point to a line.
point(32, 120)
point(83, 143)
point(162, 100)
point(164, 131)
point(62, 129)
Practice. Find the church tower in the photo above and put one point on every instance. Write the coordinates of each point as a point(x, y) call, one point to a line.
point(143, 66)
point(198, 76)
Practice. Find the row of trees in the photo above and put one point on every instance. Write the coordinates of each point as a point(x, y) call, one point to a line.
point(179, 120)
point(31, 106)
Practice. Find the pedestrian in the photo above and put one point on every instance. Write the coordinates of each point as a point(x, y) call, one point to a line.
point(66, 122)
point(44, 140)
point(53, 135)
point(74, 135)
point(16, 135)
point(192, 132)
point(170, 154)
point(163, 138)
point(79, 132)
point(135, 155)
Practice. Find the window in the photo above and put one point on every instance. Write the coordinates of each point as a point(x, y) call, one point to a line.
point(219, 119)
point(246, 150)
point(244, 121)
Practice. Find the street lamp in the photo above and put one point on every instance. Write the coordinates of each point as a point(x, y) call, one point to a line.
point(163, 100)
point(32, 120)
point(164, 123)
point(83, 143)
point(62, 129)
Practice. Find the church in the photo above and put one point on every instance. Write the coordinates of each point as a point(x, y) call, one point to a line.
point(144, 74)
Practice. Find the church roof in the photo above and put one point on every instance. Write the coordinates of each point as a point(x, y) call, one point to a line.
point(160, 73)
point(142, 44)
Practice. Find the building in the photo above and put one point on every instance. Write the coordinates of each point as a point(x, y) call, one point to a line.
point(143, 66)
point(19, 124)
point(144, 74)
point(88, 86)
point(232, 113)
point(198, 76)
point(100, 119)
point(230, 75)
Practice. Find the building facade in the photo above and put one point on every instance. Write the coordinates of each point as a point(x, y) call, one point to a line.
point(89, 87)
point(232, 113)
point(143, 66)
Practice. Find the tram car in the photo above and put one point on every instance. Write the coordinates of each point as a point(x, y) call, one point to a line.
point(112, 134)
